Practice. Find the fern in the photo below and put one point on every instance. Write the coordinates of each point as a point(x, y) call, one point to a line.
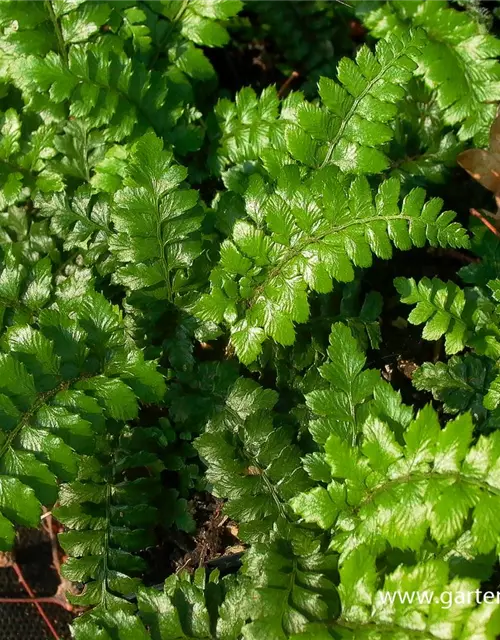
point(439, 469)
point(187, 306)
point(462, 316)
point(346, 130)
point(163, 240)
point(111, 515)
point(460, 385)
point(368, 613)
point(251, 462)
point(287, 248)
point(458, 63)
point(59, 386)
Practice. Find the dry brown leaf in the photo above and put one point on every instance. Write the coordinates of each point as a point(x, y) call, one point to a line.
point(484, 165)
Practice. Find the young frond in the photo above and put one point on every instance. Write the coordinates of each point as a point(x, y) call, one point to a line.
point(300, 236)
point(349, 387)
point(157, 221)
point(249, 126)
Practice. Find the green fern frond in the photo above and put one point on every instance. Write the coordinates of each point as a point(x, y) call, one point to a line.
point(250, 126)
point(347, 129)
point(25, 155)
point(35, 28)
point(349, 387)
point(461, 385)
point(372, 608)
point(112, 509)
point(251, 462)
point(294, 584)
point(60, 383)
point(83, 224)
point(458, 63)
point(487, 247)
point(202, 22)
point(155, 221)
point(302, 235)
point(197, 606)
point(437, 483)
point(24, 291)
point(104, 87)
point(349, 132)
point(463, 316)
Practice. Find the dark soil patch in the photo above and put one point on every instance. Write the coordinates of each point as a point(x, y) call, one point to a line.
point(214, 544)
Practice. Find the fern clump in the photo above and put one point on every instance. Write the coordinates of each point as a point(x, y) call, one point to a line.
point(205, 359)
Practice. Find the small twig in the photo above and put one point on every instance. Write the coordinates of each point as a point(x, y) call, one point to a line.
point(48, 526)
point(286, 84)
point(41, 600)
point(179, 569)
point(487, 223)
point(27, 588)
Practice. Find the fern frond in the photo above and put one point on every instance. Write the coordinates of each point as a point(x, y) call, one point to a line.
point(83, 224)
point(251, 462)
point(208, 608)
point(155, 220)
point(460, 384)
point(301, 235)
point(249, 126)
point(60, 383)
point(35, 28)
point(371, 608)
point(349, 132)
point(463, 316)
point(294, 584)
point(437, 483)
point(487, 247)
point(103, 86)
point(24, 291)
point(458, 64)
point(349, 387)
point(112, 509)
point(347, 129)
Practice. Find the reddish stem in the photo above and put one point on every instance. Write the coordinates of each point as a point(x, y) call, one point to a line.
point(487, 223)
point(286, 84)
point(48, 600)
point(28, 590)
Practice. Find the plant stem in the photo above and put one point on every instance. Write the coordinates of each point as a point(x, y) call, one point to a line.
point(58, 32)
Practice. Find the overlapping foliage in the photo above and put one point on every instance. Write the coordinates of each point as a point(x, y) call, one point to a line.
point(183, 306)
